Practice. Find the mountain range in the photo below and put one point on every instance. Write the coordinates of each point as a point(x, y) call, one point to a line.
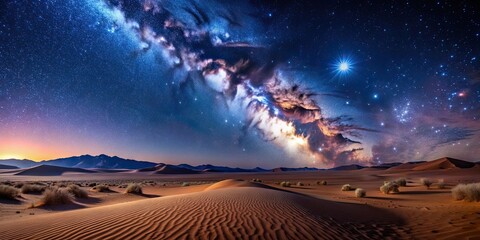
point(107, 163)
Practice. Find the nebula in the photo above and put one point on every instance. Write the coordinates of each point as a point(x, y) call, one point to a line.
point(283, 111)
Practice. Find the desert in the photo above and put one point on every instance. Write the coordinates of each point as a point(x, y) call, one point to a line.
point(246, 119)
point(245, 205)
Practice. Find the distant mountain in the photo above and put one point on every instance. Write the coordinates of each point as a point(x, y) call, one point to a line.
point(347, 167)
point(104, 163)
point(85, 161)
point(213, 168)
point(25, 163)
point(7, 167)
point(285, 169)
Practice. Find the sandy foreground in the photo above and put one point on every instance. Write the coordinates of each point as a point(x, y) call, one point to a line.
point(215, 208)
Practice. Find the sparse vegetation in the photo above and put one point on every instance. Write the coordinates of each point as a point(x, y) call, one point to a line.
point(467, 192)
point(426, 182)
point(134, 188)
point(402, 182)
point(299, 184)
point(321, 182)
point(19, 184)
point(360, 193)
point(56, 196)
point(256, 180)
point(92, 184)
point(347, 187)
point(389, 187)
point(285, 184)
point(76, 191)
point(8, 192)
point(185, 184)
point(33, 189)
point(441, 184)
point(101, 188)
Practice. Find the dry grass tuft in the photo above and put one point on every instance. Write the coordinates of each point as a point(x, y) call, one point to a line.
point(389, 187)
point(322, 182)
point(441, 184)
point(402, 182)
point(285, 184)
point(134, 188)
point(8, 192)
point(185, 184)
point(426, 182)
point(300, 184)
point(56, 196)
point(347, 187)
point(77, 191)
point(360, 193)
point(467, 192)
point(33, 189)
point(101, 188)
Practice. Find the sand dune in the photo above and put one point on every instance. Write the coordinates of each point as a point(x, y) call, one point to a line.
point(2, 166)
point(47, 170)
point(229, 183)
point(170, 169)
point(167, 169)
point(151, 169)
point(405, 166)
point(443, 163)
point(227, 212)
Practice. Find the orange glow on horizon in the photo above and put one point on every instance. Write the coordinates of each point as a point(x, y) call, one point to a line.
point(19, 149)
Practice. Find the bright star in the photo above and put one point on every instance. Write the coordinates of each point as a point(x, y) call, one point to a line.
point(343, 66)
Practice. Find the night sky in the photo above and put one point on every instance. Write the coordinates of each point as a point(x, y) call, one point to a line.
point(245, 83)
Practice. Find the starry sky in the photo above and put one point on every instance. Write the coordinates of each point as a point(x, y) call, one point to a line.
point(241, 83)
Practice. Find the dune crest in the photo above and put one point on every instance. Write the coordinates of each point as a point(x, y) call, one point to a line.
point(233, 183)
point(47, 170)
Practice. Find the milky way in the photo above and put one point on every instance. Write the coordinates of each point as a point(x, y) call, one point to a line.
point(250, 83)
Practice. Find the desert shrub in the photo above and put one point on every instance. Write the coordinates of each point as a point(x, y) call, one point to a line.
point(256, 180)
point(426, 182)
point(92, 184)
point(347, 187)
point(185, 184)
point(285, 184)
point(33, 189)
point(101, 188)
point(56, 196)
point(321, 182)
point(441, 184)
point(7, 183)
point(389, 187)
point(402, 182)
point(468, 192)
point(76, 191)
point(134, 188)
point(360, 193)
point(19, 184)
point(8, 192)
point(300, 184)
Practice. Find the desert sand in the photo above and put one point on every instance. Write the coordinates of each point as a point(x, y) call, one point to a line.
point(221, 206)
